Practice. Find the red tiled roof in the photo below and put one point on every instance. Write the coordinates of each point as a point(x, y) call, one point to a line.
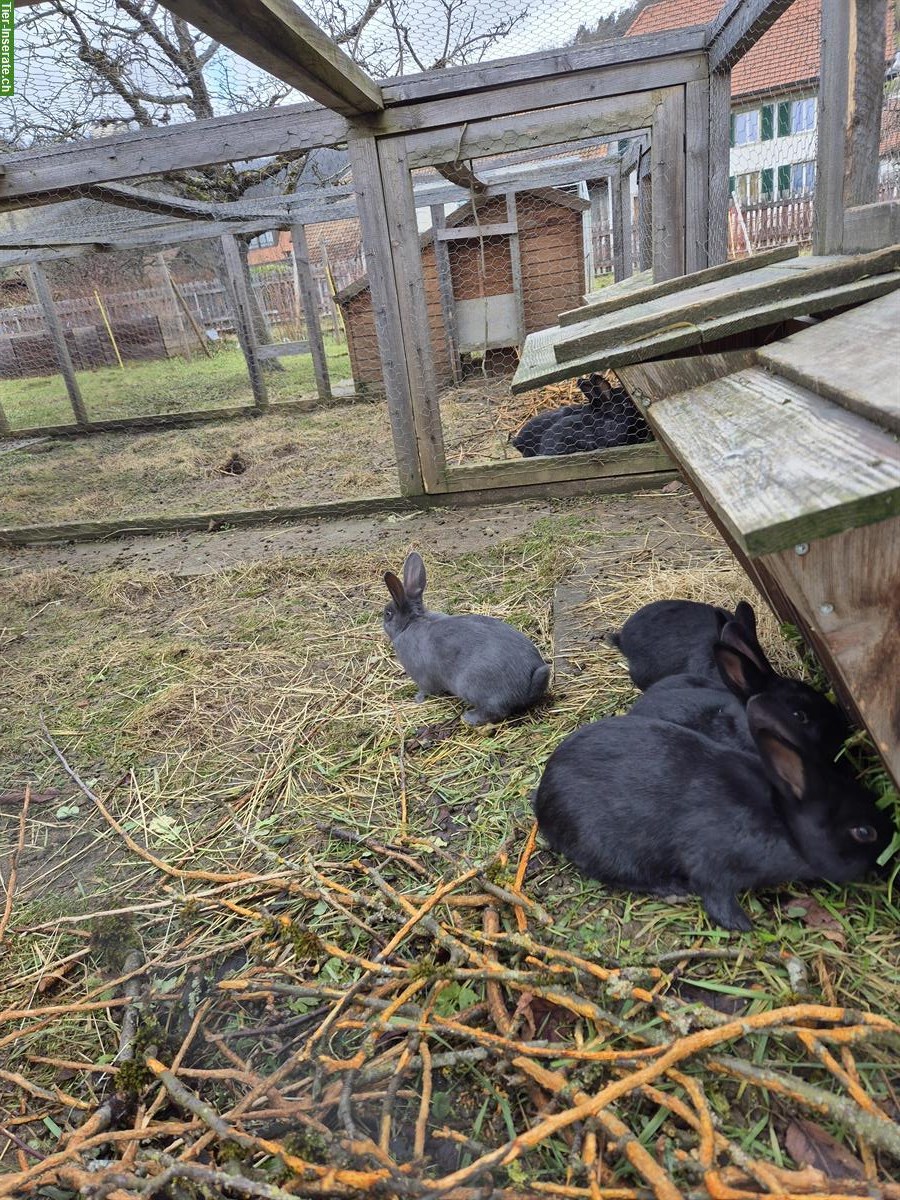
point(786, 56)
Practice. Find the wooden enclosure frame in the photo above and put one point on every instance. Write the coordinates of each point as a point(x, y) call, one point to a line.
point(669, 89)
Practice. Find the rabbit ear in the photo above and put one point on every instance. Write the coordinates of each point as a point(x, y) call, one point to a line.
point(414, 576)
point(395, 587)
point(744, 614)
point(782, 763)
point(740, 674)
point(739, 637)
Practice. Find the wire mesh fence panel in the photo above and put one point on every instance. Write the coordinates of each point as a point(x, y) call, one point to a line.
point(503, 264)
point(773, 134)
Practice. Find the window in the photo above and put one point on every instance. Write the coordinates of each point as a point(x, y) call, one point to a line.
point(767, 183)
point(784, 181)
point(803, 178)
point(745, 128)
point(263, 240)
point(767, 124)
point(745, 188)
point(803, 115)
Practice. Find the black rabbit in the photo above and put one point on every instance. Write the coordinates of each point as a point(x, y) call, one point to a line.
point(717, 707)
point(528, 440)
point(676, 637)
point(653, 807)
point(608, 419)
point(496, 669)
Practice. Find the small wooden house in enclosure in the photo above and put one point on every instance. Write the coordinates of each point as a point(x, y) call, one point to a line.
point(484, 291)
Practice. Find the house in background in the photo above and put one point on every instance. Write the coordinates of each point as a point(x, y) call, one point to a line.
point(774, 93)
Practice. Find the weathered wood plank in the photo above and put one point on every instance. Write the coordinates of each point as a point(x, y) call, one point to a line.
point(697, 130)
point(461, 232)
point(640, 51)
point(624, 184)
point(618, 230)
point(243, 321)
point(515, 258)
point(310, 305)
point(445, 288)
point(871, 226)
point(847, 359)
point(538, 365)
point(737, 26)
point(831, 131)
point(645, 216)
point(778, 464)
point(61, 350)
point(35, 175)
point(667, 153)
point(648, 382)
point(719, 166)
point(89, 531)
point(719, 298)
point(864, 103)
point(406, 258)
point(277, 36)
point(595, 464)
point(645, 289)
point(373, 219)
point(604, 117)
point(844, 591)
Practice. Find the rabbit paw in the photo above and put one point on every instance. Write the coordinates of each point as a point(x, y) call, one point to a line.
point(724, 910)
point(473, 717)
point(419, 697)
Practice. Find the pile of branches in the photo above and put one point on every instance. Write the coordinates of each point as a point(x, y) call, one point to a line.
point(445, 1042)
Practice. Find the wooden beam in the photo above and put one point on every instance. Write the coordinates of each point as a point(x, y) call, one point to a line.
point(56, 172)
point(243, 319)
point(373, 220)
point(627, 217)
point(461, 232)
point(719, 160)
point(277, 36)
point(851, 86)
point(667, 166)
point(631, 159)
point(739, 25)
point(311, 312)
point(618, 230)
point(515, 258)
point(548, 174)
point(462, 175)
point(645, 215)
point(696, 207)
point(445, 288)
point(55, 329)
point(605, 117)
point(871, 226)
point(598, 194)
point(406, 262)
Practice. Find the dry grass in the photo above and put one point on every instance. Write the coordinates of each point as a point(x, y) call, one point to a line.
point(228, 721)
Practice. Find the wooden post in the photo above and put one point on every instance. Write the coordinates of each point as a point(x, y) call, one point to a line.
point(696, 182)
point(4, 423)
point(409, 279)
point(598, 194)
point(311, 311)
point(515, 258)
point(645, 212)
point(667, 157)
point(445, 287)
point(243, 322)
point(627, 213)
point(719, 167)
point(618, 228)
point(373, 221)
point(851, 87)
point(45, 300)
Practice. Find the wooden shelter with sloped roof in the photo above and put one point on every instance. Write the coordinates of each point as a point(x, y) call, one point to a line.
point(487, 283)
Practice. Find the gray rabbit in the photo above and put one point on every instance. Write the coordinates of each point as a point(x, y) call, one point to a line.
point(494, 668)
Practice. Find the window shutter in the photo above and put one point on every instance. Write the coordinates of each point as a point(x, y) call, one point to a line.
point(731, 135)
point(784, 180)
point(784, 118)
point(768, 181)
point(731, 182)
point(767, 124)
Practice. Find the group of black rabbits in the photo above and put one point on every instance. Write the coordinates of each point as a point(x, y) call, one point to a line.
point(721, 778)
point(608, 419)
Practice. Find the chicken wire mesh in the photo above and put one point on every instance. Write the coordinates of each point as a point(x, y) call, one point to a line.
point(773, 130)
point(504, 264)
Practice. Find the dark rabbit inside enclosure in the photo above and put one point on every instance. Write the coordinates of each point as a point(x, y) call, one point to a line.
point(609, 418)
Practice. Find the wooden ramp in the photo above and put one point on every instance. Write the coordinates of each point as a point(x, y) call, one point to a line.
point(703, 311)
point(793, 452)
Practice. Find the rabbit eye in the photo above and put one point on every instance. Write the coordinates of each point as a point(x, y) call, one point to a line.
point(863, 833)
point(801, 716)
